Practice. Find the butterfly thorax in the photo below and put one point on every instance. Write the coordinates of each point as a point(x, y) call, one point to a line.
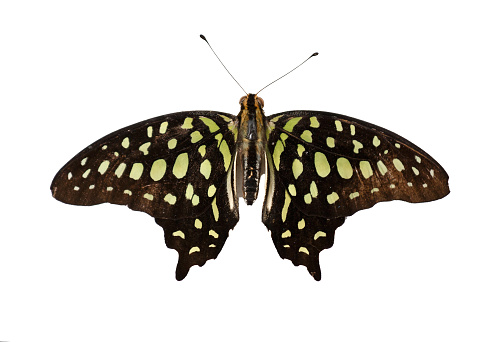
point(250, 146)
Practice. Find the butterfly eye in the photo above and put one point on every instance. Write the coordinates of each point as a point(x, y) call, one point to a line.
point(260, 101)
point(242, 99)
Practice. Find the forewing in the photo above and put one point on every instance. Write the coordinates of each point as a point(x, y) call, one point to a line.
point(177, 168)
point(168, 167)
point(334, 165)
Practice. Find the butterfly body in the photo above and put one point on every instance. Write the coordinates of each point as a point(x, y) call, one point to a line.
point(251, 145)
point(188, 170)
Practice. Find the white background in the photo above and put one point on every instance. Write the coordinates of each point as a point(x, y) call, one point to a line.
point(71, 72)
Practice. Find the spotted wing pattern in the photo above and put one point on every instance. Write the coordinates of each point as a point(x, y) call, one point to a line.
point(177, 168)
point(324, 167)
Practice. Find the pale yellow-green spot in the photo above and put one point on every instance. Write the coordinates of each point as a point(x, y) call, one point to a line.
point(92, 186)
point(416, 171)
point(86, 173)
point(189, 192)
point(374, 190)
point(291, 124)
point(292, 190)
point(181, 165)
point(321, 164)
point(103, 166)
point(158, 169)
point(301, 224)
point(125, 142)
point(382, 168)
point(226, 154)
point(352, 128)
point(172, 143)
point(284, 212)
point(392, 186)
point(76, 188)
point(330, 142)
point(194, 249)
point(187, 124)
point(195, 136)
point(308, 199)
point(120, 170)
point(409, 184)
point(353, 195)
point(109, 188)
point(425, 185)
point(432, 173)
point(213, 233)
point(104, 147)
point(398, 164)
point(210, 123)
point(225, 118)
point(319, 234)
point(344, 168)
point(215, 209)
point(171, 199)
point(212, 245)
point(307, 136)
point(179, 233)
point(198, 224)
point(286, 246)
point(128, 192)
point(83, 161)
point(376, 142)
point(358, 146)
point(303, 250)
point(205, 168)
point(218, 138)
point(314, 122)
point(385, 151)
point(276, 155)
point(300, 149)
point(163, 128)
point(297, 168)
point(366, 169)
point(150, 197)
point(144, 148)
point(332, 198)
point(283, 136)
point(338, 125)
point(313, 189)
point(211, 190)
point(195, 200)
point(397, 145)
point(136, 171)
point(286, 234)
point(150, 130)
point(276, 118)
point(202, 150)
point(418, 159)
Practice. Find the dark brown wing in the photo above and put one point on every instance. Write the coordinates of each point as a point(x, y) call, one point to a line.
point(174, 167)
point(332, 165)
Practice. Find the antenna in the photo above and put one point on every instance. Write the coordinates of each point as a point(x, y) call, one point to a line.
point(206, 40)
point(314, 54)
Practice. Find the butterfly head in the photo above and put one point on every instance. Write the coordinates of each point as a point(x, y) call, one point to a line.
point(251, 101)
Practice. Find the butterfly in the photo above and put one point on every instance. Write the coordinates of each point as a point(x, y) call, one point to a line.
point(188, 169)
